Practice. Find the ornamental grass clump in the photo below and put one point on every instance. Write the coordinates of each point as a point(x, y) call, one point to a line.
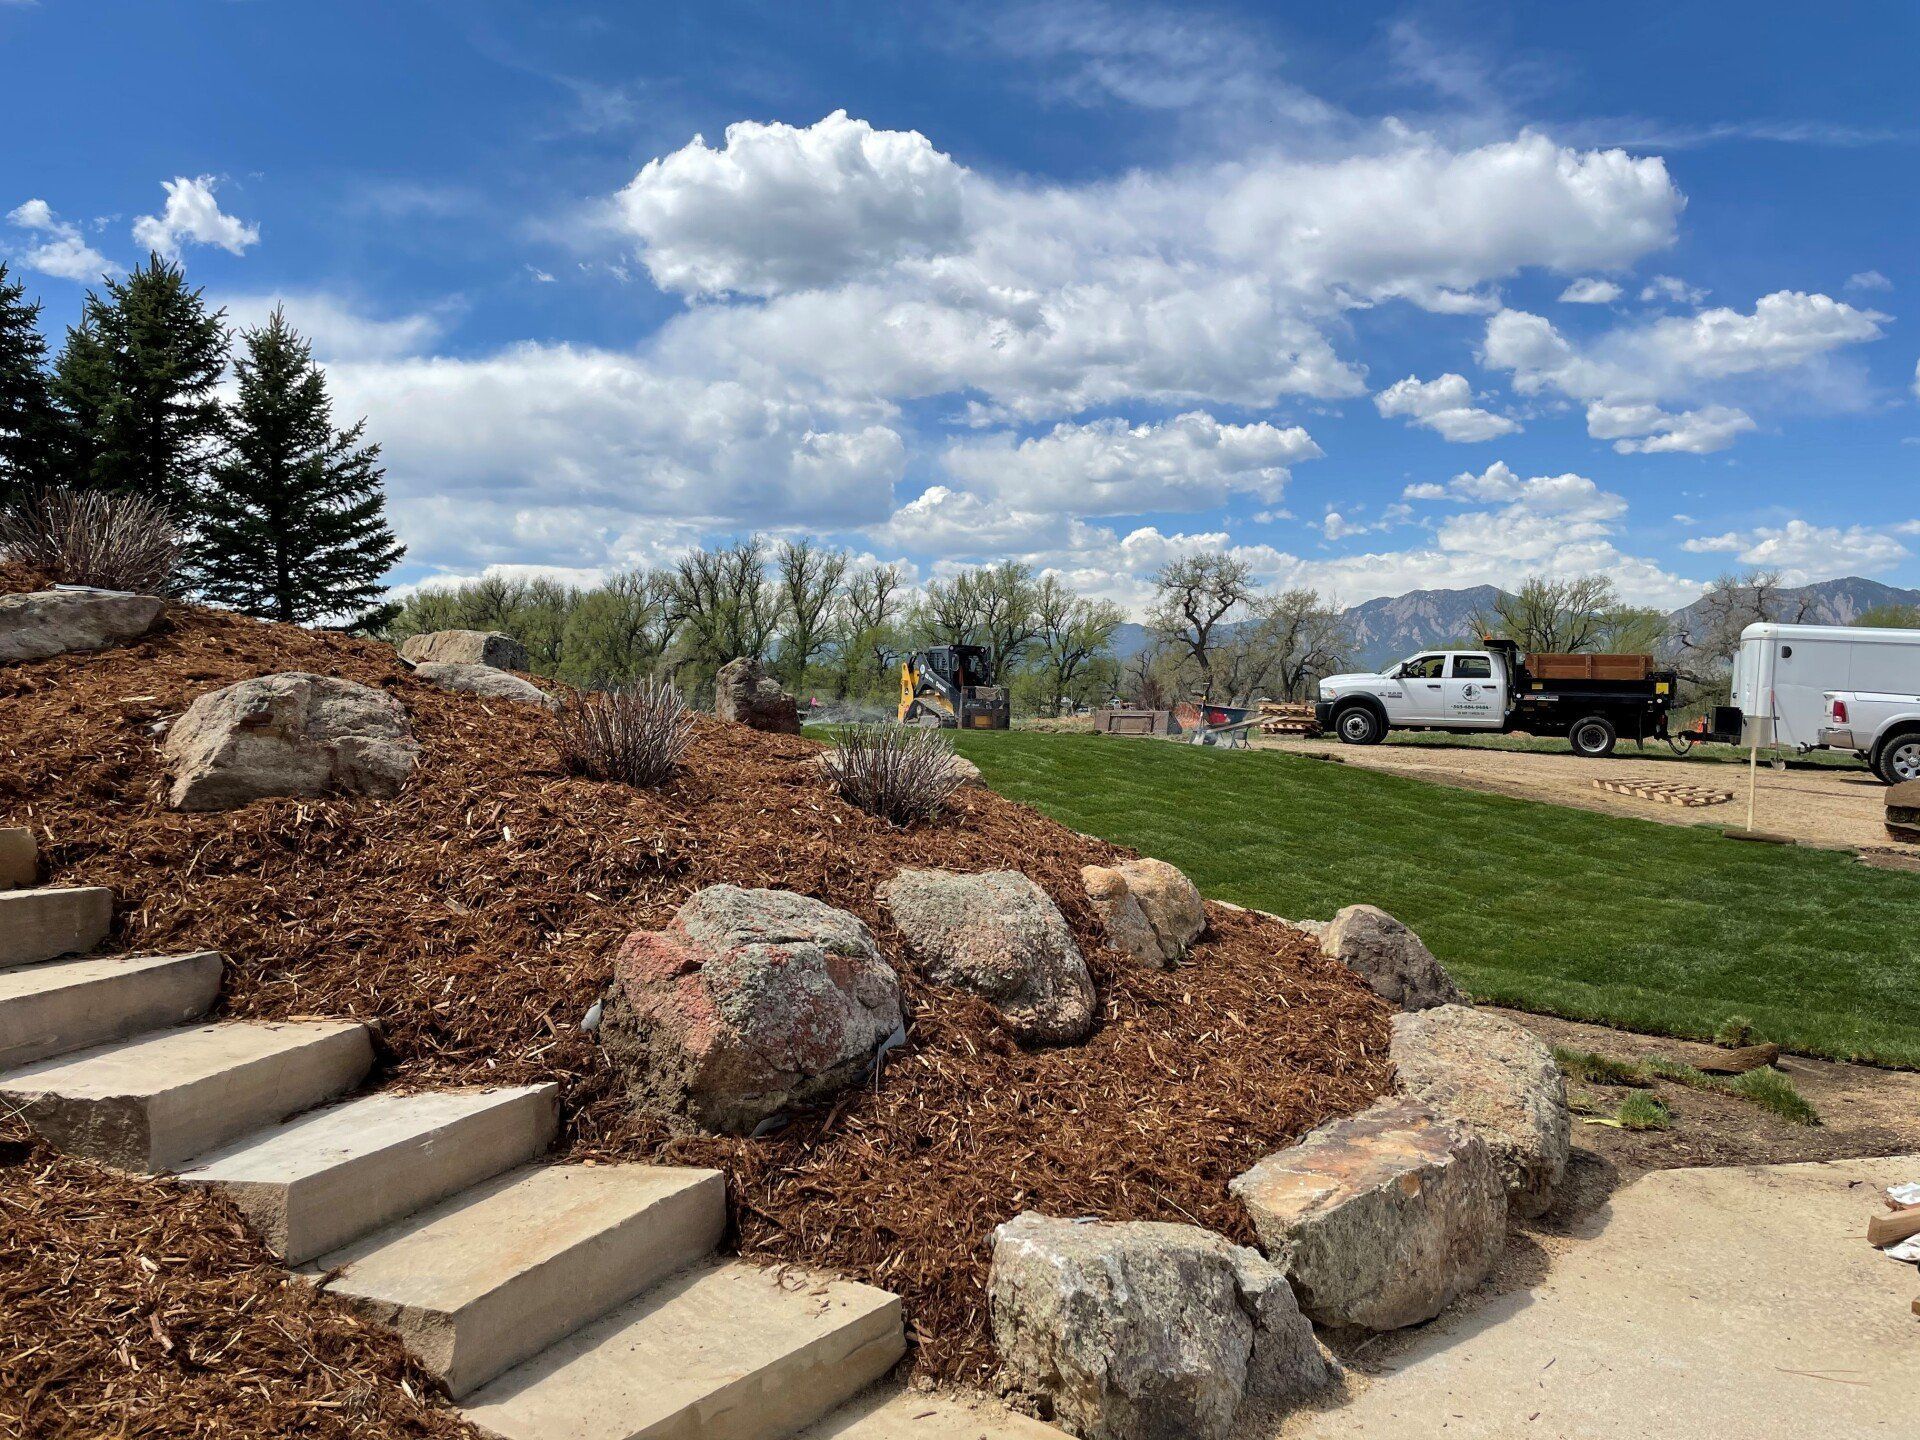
point(900, 773)
point(636, 734)
point(94, 537)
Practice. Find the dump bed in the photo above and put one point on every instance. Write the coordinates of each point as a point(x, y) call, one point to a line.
point(1590, 667)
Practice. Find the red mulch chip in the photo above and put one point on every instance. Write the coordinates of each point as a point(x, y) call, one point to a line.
point(473, 918)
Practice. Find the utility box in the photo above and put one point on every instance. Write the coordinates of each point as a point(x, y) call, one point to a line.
point(1116, 721)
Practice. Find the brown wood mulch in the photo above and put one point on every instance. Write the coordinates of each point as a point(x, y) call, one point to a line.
point(471, 918)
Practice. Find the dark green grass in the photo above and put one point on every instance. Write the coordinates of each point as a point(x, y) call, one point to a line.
point(1660, 928)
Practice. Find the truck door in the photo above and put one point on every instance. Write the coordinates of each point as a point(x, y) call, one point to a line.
point(1424, 679)
point(1476, 694)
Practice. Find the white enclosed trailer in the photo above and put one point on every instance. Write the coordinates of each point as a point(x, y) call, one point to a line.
point(1782, 675)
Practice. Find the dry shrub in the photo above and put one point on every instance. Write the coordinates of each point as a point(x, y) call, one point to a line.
point(637, 734)
point(94, 537)
point(899, 772)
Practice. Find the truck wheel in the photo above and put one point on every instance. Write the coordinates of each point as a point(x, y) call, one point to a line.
point(1592, 736)
point(1900, 758)
point(1357, 725)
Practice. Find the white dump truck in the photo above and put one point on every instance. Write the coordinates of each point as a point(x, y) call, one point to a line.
point(1592, 700)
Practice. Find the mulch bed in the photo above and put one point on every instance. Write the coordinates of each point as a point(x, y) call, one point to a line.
point(134, 1307)
point(472, 918)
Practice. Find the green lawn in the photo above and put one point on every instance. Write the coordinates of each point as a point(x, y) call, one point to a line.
point(1653, 927)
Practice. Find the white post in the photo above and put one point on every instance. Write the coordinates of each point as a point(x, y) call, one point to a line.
point(1753, 782)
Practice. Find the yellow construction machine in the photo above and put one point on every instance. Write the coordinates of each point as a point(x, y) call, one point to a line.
point(951, 687)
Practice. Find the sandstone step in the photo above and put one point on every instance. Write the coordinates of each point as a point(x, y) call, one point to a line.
point(19, 858)
point(50, 1009)
point(500, 1272)
point(333, 1175)
point(888, 1413)
point(725, 1351)
point(42, 924)
point(153, 1101)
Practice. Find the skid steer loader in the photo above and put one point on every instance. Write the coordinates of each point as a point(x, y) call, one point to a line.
point(950, 687)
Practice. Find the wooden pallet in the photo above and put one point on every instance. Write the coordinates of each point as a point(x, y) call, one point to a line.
point(1285, 719)
point(1666, 792)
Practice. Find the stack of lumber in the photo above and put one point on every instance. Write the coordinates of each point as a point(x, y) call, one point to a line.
point(1666, 792)
point(1287, 718)
point(1903, 811)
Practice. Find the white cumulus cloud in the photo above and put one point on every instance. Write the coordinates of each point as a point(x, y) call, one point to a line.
point(1589, 291)
point(193, 215)
point(1444, 405)
point(58, 249)
point(779, 207)
point(1108, 467)
point(1803, 552)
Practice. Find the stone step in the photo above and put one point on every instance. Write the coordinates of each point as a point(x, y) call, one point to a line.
point(19, 858)
point(889, 1413)
point(499, 1273)
point(50, 1009)
point(725, 1351)
point(151, 1102)
point(331, 1176)
point(44, 924)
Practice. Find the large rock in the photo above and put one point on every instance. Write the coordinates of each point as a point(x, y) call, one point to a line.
point(1000, 936)
point(748, 1002)
point(1499, 1081)
point(484, 680)
point(1142, 1331)
point(44, 623)
point(1150, 910)
point(743, 692)
point(1382, 1219)
point(290, 734)
point(963, 770)
point(1903, 811)
point(465, 647)
point(1390, 958)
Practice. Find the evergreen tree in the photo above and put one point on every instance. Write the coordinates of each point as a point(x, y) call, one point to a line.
point(28, 426)
point(293, 526)
point(136, 384)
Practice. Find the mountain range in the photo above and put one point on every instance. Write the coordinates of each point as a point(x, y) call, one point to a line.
point(1395, 626)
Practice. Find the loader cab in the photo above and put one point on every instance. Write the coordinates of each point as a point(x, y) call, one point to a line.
point(959, 666)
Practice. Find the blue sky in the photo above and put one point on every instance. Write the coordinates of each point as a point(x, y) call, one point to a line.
point(1381, 298)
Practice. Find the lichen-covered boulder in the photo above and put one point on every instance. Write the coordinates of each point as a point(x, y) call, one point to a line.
point(744, 693)
point(1381, 1219)
point(999, 935)
point(43, 623)
point(465, 647)
point(1149, 909)
point(484, 680)
point(748, 1002)
point(1144, 1331)
point(1501, 1082)
point(1390, 958)
point(288, 734)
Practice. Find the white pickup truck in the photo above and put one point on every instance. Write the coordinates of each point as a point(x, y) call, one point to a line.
point(1590, 699)
point(1882, 729)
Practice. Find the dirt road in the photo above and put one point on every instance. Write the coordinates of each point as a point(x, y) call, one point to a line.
point(1836, 809)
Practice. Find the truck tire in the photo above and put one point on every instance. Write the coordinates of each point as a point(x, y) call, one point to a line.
point(1899, 758)
point(1358, 725)
point(1592, 737)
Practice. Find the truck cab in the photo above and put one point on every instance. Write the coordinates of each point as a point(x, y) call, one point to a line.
point(1434, 690)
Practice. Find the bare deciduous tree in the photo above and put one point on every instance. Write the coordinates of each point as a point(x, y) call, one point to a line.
point(1193, 596)
point(810, 577)
point(1073, 632)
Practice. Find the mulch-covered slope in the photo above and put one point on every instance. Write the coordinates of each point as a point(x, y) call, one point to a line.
point(473, 917)
point(133, 1307)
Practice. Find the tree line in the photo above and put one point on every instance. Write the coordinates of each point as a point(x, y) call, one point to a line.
point(283, 513)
